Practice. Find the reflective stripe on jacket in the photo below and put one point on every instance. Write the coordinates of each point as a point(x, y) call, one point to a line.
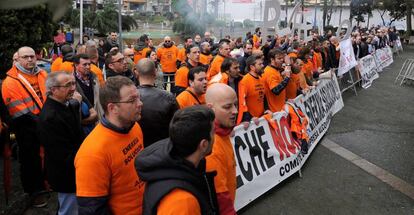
point(19, 96)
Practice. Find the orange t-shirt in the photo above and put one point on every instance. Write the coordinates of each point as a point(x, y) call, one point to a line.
point(292, 86)
point(221, 77)
point(186, 99)
point(205, 59)
point(181, 77)
point(307, 69)
point(317, 61)
point(98, 72)
point(105, 167)
point(271, 78)
point(66, 67)
point(168, 58)
point(56, 64)
point(179, 201)
point(222, 160)
point(181, 55)
point(215, 66)
point(138, 55)
point(251, 96)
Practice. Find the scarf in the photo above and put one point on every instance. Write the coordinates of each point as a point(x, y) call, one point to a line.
point(34, 71)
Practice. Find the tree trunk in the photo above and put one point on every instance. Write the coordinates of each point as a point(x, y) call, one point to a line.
point(409, 13)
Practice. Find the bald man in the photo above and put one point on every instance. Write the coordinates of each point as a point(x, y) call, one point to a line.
point(167, 55)
point(24, 92)
point(223, 100)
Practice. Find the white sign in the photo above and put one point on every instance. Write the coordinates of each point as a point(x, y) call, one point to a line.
point(368, 70)
point(347, 59)
point(267, 154)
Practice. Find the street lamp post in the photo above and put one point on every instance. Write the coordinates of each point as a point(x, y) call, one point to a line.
point(120, 25)
point(81, 23)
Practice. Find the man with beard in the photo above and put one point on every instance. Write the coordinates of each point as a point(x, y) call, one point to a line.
point(167, 55)
point(142, 47)
point(251, 91)
point(223, 100)
point(230, 66)
point(111, 42)
point(275, 80)
point(60, 132)
point(174, 168)
point(181, 77)
point(224, 51)
point(197, 40)
point(205, 55)
point(247, 48)
point(106, 180)
point(195, 93)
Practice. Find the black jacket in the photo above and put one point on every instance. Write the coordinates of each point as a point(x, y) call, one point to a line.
point(164, 172)
point(129, 74)
point(61, 134)
point(157, 112)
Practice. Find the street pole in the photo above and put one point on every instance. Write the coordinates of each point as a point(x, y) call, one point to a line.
point(286, 10)
point(314, 18)
point(120, 25)
point(81, 23)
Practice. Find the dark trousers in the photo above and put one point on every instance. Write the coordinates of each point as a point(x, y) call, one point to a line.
point(31, 172)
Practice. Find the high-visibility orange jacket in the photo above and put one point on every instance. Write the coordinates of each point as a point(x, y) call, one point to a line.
point(215, 66)
point(22, 93)
point(138, 55)
point(205, 59)
point(56, 64)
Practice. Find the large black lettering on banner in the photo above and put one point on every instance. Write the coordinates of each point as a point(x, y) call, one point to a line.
point(259, 159)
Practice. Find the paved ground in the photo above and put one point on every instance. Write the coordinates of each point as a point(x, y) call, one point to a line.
point(378, 126)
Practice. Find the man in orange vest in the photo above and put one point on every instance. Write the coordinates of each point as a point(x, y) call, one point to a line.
point(195, 93)
point(205, 55)
point(24, 92)
point(223, 100)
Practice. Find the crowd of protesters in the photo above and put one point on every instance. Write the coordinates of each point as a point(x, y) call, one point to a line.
point(147, 131)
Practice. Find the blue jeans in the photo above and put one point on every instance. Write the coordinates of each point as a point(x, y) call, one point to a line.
point(68, 205)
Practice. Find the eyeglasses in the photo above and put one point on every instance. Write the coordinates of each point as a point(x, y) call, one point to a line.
point(120, 60)
point(167, 41)
point(69, 84)
point(26, 57)
point(133, 100)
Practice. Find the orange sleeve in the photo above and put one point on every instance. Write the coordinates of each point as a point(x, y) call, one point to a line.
point(181, 55)
point(215, 163)
point(214, 67)
point(182, 100)
point(91, 168)
point(181, 77)
point(273, 79)
point(242, 101)
point(159, 53)
point(179, 202)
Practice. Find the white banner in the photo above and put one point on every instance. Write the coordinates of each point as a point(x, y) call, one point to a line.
point(383, 58)
point(347, 58)
point(267, 154)
point(368, 70)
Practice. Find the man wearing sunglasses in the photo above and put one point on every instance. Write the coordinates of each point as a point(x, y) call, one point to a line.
point(167, 55)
